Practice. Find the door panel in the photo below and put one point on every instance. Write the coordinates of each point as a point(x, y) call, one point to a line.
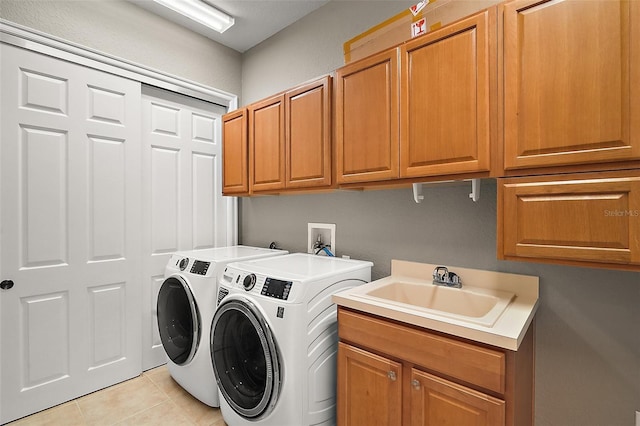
point(165, 200)
point(42, 185)
point(70, 198)
point(183, 207)
point(107, 198)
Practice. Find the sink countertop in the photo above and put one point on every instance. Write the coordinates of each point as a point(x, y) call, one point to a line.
point(507, 332)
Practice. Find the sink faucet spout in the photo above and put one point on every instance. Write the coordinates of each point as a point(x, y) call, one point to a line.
point(442, 276)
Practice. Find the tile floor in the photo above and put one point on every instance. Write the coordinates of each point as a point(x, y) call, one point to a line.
point(153, 398)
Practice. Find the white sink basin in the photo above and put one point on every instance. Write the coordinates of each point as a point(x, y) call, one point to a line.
point(470, 304)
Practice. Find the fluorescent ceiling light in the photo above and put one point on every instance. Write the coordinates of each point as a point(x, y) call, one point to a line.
point(201, 12)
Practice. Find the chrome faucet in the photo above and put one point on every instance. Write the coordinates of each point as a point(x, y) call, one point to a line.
point(442, 276)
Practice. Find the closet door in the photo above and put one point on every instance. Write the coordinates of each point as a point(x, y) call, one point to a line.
point(70, 217)
point(183, 206)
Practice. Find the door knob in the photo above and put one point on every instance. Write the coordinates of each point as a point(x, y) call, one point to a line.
point(6, 284)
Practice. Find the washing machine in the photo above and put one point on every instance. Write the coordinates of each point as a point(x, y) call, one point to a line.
point(274, 338)
point(185, 307)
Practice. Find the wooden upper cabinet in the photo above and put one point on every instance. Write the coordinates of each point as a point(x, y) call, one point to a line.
point(593, 218)
point(367, 119)
point(267, 144)
point(235, 177)
point(571, 78)
point(446, 82)
point(308, 135)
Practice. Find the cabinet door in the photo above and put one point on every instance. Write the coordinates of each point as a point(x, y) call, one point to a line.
point(369, 388)
point(439, 402)
point(235, 177)
point(595, 218)
point(445, 85)
point(308, 135)
point(367, 119)
point(267, 144)
point(567, 82)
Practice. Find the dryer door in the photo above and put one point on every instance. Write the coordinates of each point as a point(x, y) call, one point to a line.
point(178, 320)
point(245, 358)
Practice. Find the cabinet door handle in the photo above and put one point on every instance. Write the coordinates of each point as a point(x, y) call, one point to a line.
point(6, 284)
point(392, 375)
point(415, 383)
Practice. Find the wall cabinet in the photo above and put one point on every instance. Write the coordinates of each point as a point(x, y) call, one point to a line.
point(280, 143)
point(407, 375)
point(448, 78)
point(367, 133)
point(419, 110)
point(571, 83)
point(591, 219)
point(266, 144)
point(235, 175)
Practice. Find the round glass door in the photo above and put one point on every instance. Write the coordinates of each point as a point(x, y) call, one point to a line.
point(245, 360)
point(178, 320)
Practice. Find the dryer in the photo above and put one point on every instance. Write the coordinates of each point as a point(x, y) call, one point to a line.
point(274, 338)
point(185, 307)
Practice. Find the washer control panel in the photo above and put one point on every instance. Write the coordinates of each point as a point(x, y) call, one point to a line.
point(258, 284)
point(278, 289)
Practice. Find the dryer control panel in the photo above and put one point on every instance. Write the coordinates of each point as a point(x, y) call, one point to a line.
point(199, 267)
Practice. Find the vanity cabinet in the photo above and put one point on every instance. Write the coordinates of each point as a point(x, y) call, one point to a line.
point(408, 375)
point(422, 109)
point(235, 175)
point(589, 219)
point(280, 143)
point(571, 84)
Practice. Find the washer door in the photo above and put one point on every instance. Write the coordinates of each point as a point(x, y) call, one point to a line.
point(245, 358)
point(178, 320)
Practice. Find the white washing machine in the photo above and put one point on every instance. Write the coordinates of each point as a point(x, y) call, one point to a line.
point(274, 338)
point(186, 304)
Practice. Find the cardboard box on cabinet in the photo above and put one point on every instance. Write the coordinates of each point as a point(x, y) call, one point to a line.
point(421, 18)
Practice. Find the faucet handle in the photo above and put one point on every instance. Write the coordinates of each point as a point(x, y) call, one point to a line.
point(440, 274)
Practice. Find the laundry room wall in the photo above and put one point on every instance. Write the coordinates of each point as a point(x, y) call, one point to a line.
point(587, 339)
point(124, 30)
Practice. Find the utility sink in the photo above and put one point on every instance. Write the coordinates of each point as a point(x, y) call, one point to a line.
point(470, 304)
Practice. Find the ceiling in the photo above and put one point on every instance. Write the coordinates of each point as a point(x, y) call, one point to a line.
point(255, 20)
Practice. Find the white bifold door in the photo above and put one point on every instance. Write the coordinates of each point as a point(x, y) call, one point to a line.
point(183, 207)
point(70, 218)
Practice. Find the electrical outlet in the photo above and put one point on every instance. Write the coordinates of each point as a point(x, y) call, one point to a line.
point(321, 235)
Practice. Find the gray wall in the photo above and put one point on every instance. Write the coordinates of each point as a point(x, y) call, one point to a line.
point(588, 335)
point(126, 31)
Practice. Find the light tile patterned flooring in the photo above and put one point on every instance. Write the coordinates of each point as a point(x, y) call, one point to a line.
point(153, 398)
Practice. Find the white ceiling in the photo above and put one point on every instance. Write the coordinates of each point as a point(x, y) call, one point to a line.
point(255, 20)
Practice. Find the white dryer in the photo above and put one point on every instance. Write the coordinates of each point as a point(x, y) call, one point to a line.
point(185, 307)
point(274, 338)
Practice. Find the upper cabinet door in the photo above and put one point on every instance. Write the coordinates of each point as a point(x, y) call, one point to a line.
point(267, 144)
point(367, 119)
point(235, 177)
point(447, 78)
point(308, 135)
point(568, 77)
